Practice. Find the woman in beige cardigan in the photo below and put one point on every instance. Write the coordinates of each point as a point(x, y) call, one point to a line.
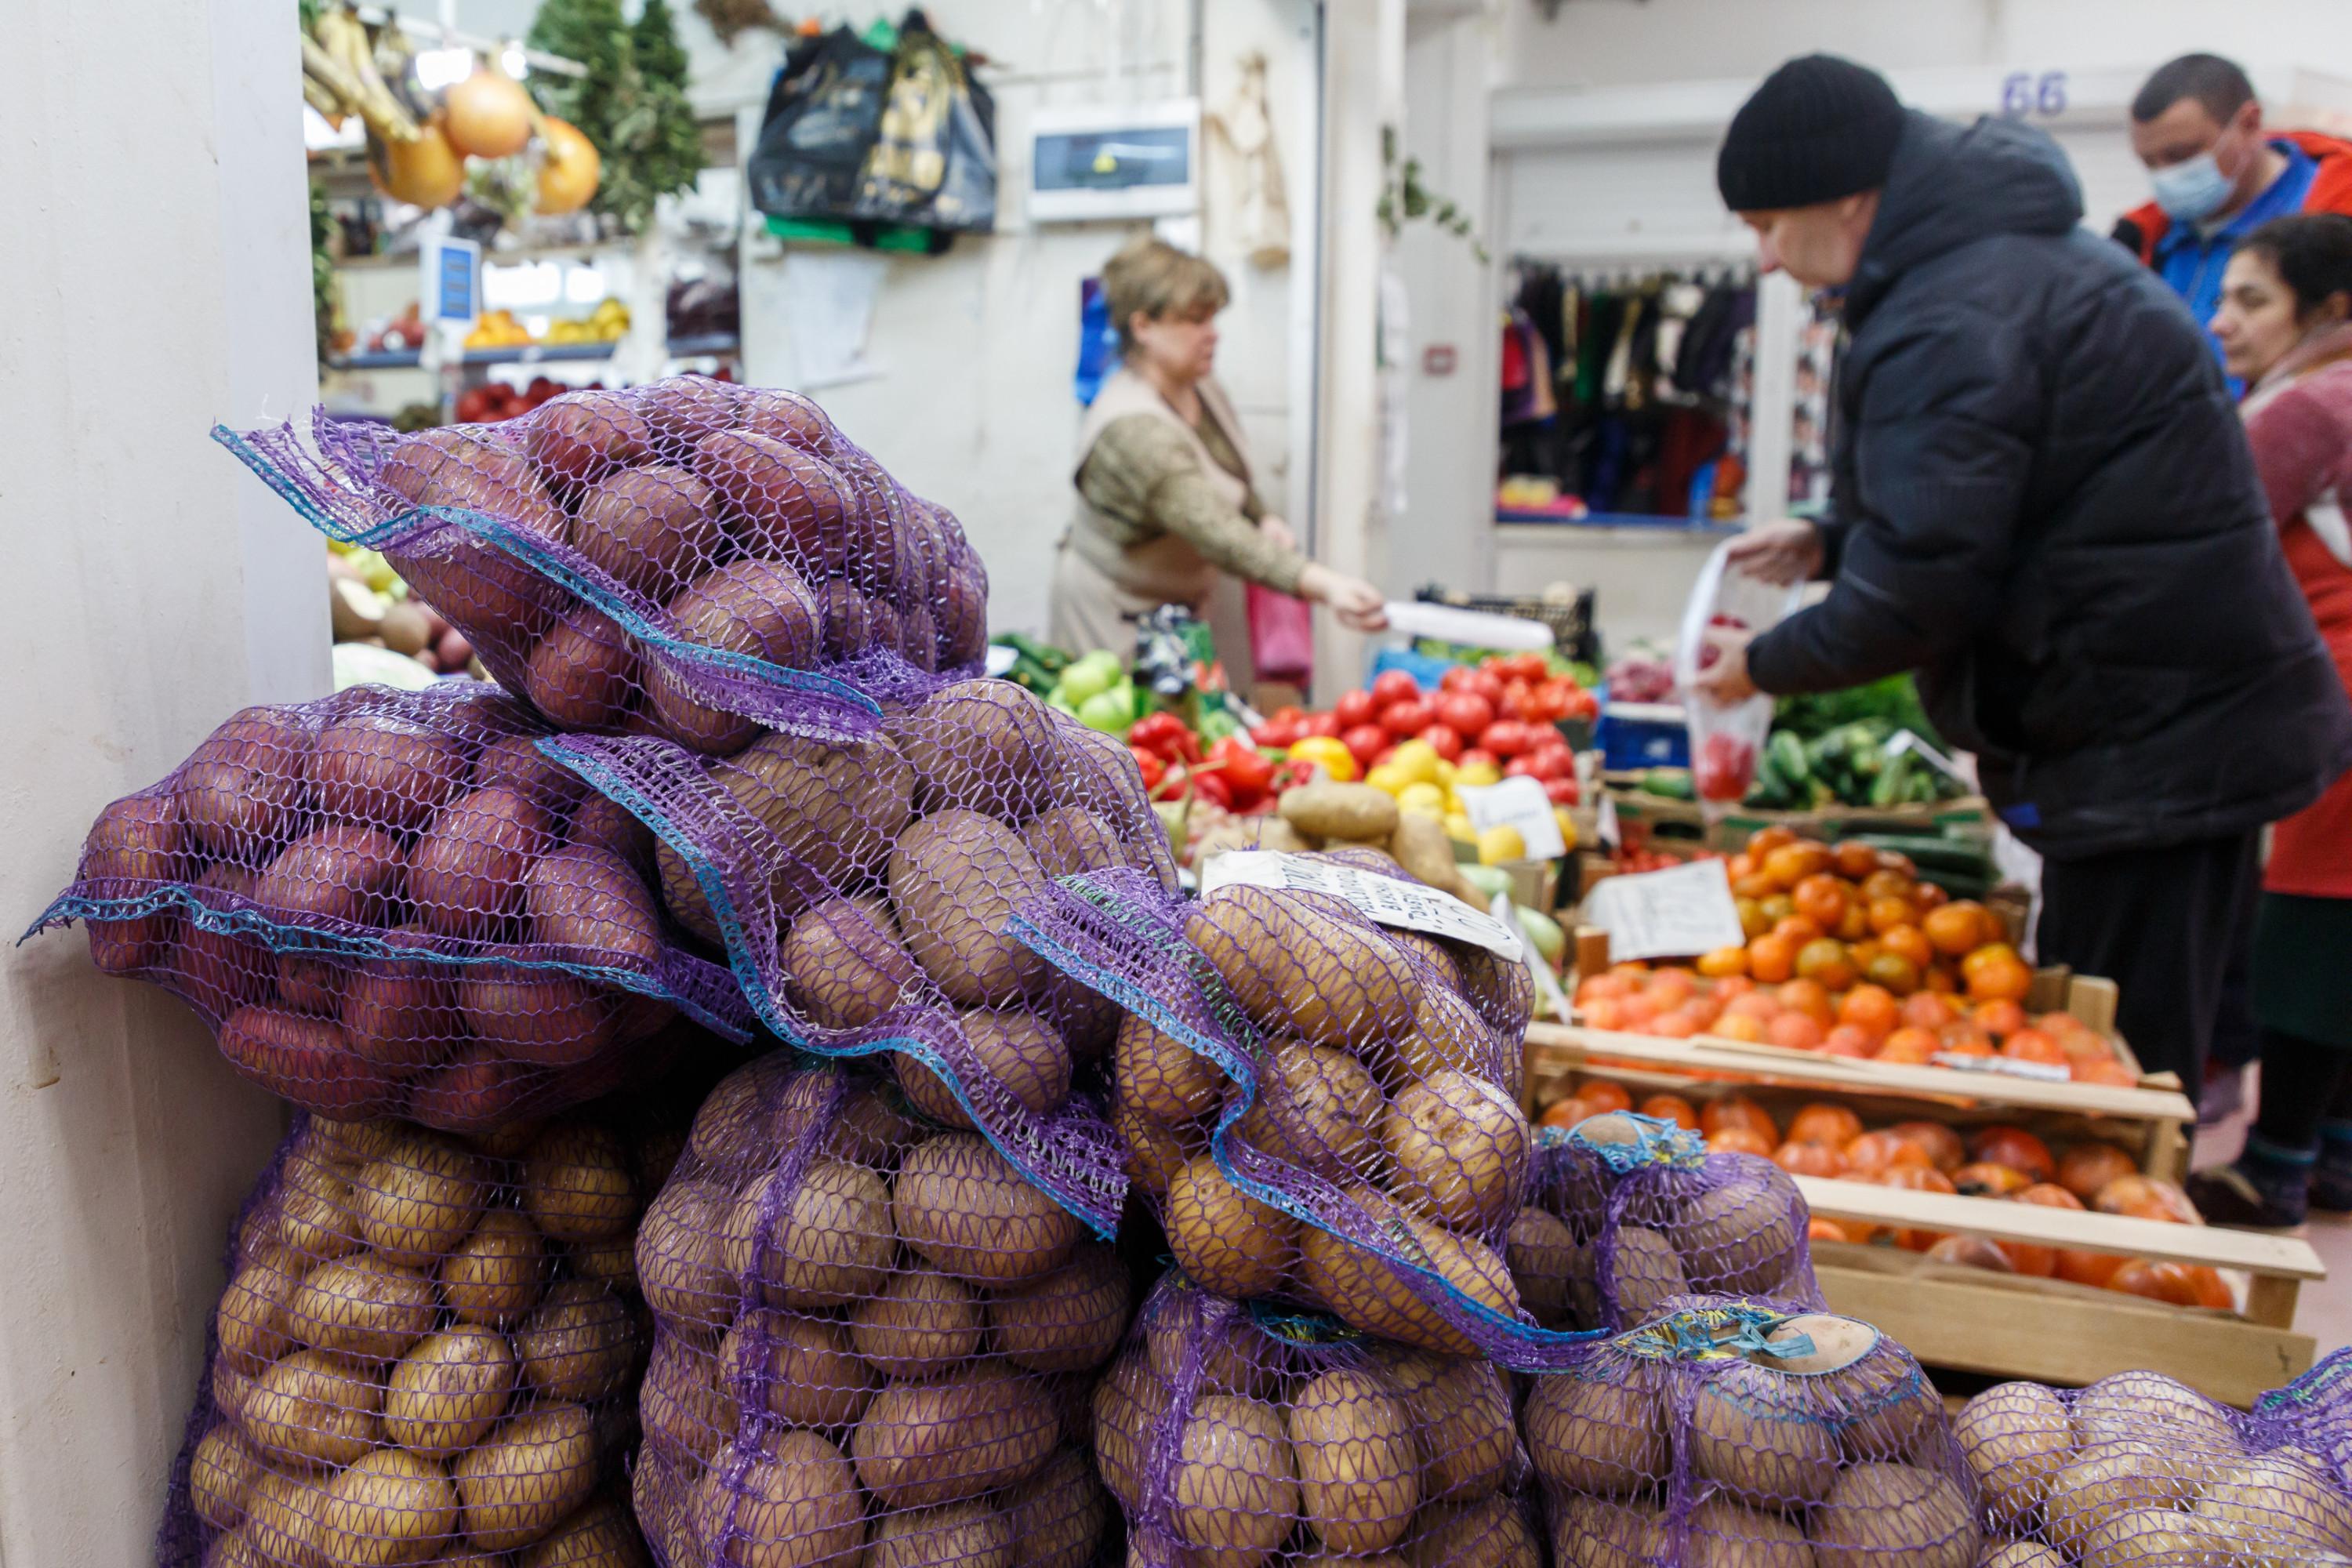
point(1168, 513)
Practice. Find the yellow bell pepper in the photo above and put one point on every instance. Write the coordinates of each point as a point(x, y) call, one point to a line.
point(1326, 753)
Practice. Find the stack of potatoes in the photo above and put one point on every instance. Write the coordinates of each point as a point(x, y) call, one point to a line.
point(2139, 1470)
point(873, 1336)
point(428, 1352)
point(1813, 1443)
point(1382, 1113)
point(366, 853)
point(1234, 1437)
point(1343, 817)
point(1629, 1213)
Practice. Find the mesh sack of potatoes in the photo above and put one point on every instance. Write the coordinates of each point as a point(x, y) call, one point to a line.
point(1321, 1110)
point(428, 1352)
point(1235, 1434)
point(2313, 1413)
point(687, 558)
point(1729, 1435)
point(392, 903)
point(1627, 1213)
point(872, 1336)
point(864, 892)
point(2139, 1469)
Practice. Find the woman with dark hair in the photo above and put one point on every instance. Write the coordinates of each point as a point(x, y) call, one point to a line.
point(2286, 327)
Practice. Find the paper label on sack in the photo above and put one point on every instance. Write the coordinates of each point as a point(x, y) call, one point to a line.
point(1383, 900)
point(1516, 803)
point(1675, 913)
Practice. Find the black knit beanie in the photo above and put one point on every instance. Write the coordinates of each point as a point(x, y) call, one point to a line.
point(1820, 128)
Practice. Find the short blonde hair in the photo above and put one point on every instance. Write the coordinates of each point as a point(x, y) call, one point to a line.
point(1155, 277)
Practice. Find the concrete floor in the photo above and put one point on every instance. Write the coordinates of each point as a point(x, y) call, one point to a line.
point(2322, 1311)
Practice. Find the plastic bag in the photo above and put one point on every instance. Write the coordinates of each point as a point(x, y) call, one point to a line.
point(690, 558)
point(1235, 1434)
point(392, 903)
point(1725, 741)
point(1282, 635)
point(428, 1351)
point(1629, 1212)
point(863, 894)
point(1728, 1432)
point(871, 1336)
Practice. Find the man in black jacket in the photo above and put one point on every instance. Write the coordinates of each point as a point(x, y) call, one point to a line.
point(2043, 503)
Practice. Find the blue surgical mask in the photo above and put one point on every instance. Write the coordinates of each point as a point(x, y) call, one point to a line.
point(2193, 190)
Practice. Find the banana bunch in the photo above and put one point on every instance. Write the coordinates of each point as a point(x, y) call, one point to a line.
point(340, 76)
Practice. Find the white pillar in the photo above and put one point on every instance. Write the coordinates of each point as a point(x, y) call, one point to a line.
point(155, 263)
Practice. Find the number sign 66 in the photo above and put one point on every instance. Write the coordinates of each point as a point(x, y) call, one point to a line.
point(2023, 93)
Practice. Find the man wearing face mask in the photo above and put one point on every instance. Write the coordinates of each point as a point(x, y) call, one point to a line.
point(2043, 503)
point(2198, 126)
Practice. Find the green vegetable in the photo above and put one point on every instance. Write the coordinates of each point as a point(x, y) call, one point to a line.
point(1672, 783)
point(1096, 672)
point(1894, 701)
point(1487, 879)
point(1111, 711)
point(1543, 932)
point(632, 105)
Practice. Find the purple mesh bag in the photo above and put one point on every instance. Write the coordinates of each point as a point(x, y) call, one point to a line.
point(862, 892)
point(1245, 1436)
point(690, 558)
point(1629, 1212)
point(1731, 1432)
point(872, 1336)
point(428, 1352)
point(2139, 1469)
point(1323, 1110)
point(391, 903)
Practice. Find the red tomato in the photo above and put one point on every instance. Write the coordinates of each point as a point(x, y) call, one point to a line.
point(1505, 738)
point(1477, 757)
point(1522, 768)
point(1582, 704)
point(1364, 743)
point(1457, 678)
point(1487, 684)
point(1553, 759)
point(1446, 742)
point(1354, 708)
point(1465, 713)
point(1392, 687)
point(1409, 717)
point(1550, 699)
point(1321, 724)
point(1514, 704)
point(1562, 792)
point(1528, 666)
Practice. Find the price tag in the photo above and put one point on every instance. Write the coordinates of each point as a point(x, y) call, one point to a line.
point(2041, 1072)
point(1675, 913)
point(1904, 740)
point(1384, 899)
point(1516, 803)
point(1605, 827)
point(1000, 659)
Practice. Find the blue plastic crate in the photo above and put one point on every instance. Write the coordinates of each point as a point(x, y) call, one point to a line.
point(1641, 736)
point(1427, 671)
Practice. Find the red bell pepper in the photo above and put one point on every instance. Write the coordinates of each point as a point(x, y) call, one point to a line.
point(1247, 772)
point(1153, 769)
point(1212, 787)
point(1165, 736)
point(1319, 724)
point(1562, 792)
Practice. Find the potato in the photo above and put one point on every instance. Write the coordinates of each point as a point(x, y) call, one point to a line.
point(603, 824)
point(1460, 1149)
point(283, 1519)
point(2158, 1538)
point(2016, 1437)
point(652, 528)
point(313, 1408)
point(580, 1344)
point(600, 1535)
point(921, 1321)
point(448, 1392)
point(389, 1508)
point(364, 1306)
point(1248, 833)
point(760, 608)
point(784, 502)
point(1447, 1035)
point(2281, 1508)
point(1151, 1151)
point(477, 1089)
point(344, 871)
point(2105, 1480)
point(526, 1476)
point(240, 794)
point(794, 1503)
point(496, 1274)
point(1057, 1515)
point(304, 1059)
point(1160, 1077)
point(1370, 1293)
point(1350, 811)
point(2020, 1555)
point(1462, 1415)
point(1070, 839)
point(1127, 1407)
point(843, 964)
point(1235, 1486)
point(1226, 1241)
point(686, 1405)
point(1640, 1271)
point(465, 874)
point(1070, 1321)
point(682, 1255)
point(1491, 1533)
point(515, 764)
point(2149, 1408)
point(139, 838)
point(681, 410)
point(1303, 964)
point(1546, 1264)
point(1317, 1108)
point(596, 902)
point(827, 1241)
point(579, 437)
point(1010, 1047)
point(980, 745)
point(576, 1184)
point(221, 1474)
point(1358, 1466)
point(383, 771)
point(811, 1375)
point(1725, 1535)
point(956, 877)
point(963, 1208)
point(1764, 1437)
point(539, 1017)
point(1880, 1513)
point(1597, 1436)
point(922, 1444)
point(420, 1200)
point(1743, 1235)
point(314, 1209)
point(398, 1014)
point(968, 1534)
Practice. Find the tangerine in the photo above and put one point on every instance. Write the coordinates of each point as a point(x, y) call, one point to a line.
point(1604, 1014)
point(2001, 1144)
point(1609, 986)
point(1564, 1113)
point(1942, 1145)
point(1680, 1024)
point(1926, 1011)
point(1822, 1123)
point(1930, 896)
point(1908, 941)
point(1739, 1111)
point(1767, 839)
point(1732, 986)
point(2001, 979)
point(1751, 916)
point(1825, 959)
point(1819, 1230)
point(1870, 1007)
point(1603, 1096)
point(1799, 929)
point(1672, 1107)
point(1820, 898)
point(1966, 1040)
point(1761, 1005)
point(1795, 1031)
point(1639, 1009)
point(2085, 1168)
point(1959, 927)
point(1846, 1040)
point(1972, 1252)
point(1806, 996)
point(2108, 1071)
point(1854, 859)
point(1810, 1160)
point(1754, 885)
point(1884, 884)
point(1943, 982)
point(1739, 1140)
point(1723, 963)
point(1983, 1181)
point(2081, 1267)
point(2033, 1045)
point(2000, 1018)
point(1893, 973)
point(1777, 907)
point(1882, 1151)
point(1886, 914)
point(1910, 1045)
point(1854, 925)
point(1742, 1026)
point(1771, 959)
point(2177, 1284)
point(1672, 986)
point(1789, 864)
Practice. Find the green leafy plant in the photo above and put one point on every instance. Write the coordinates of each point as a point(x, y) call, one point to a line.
point(1403, 198)
point(322, 271)
point(632, 104)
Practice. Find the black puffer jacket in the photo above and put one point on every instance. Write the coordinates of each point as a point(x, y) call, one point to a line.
point(2044, 504)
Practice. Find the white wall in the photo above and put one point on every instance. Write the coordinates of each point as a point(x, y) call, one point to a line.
point(156, 266)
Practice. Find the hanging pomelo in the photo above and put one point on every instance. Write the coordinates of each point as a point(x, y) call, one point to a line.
point(568, 171)
point(488, 115)
point(426, 173)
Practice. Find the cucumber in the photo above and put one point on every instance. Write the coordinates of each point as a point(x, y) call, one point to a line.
point(1670, 783)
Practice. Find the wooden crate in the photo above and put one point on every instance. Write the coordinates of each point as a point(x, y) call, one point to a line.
point(1738, 824)
point(2051, 1331)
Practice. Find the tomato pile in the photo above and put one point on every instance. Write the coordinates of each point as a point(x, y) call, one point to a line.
point(1500, 711)
point(1825, 1138)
